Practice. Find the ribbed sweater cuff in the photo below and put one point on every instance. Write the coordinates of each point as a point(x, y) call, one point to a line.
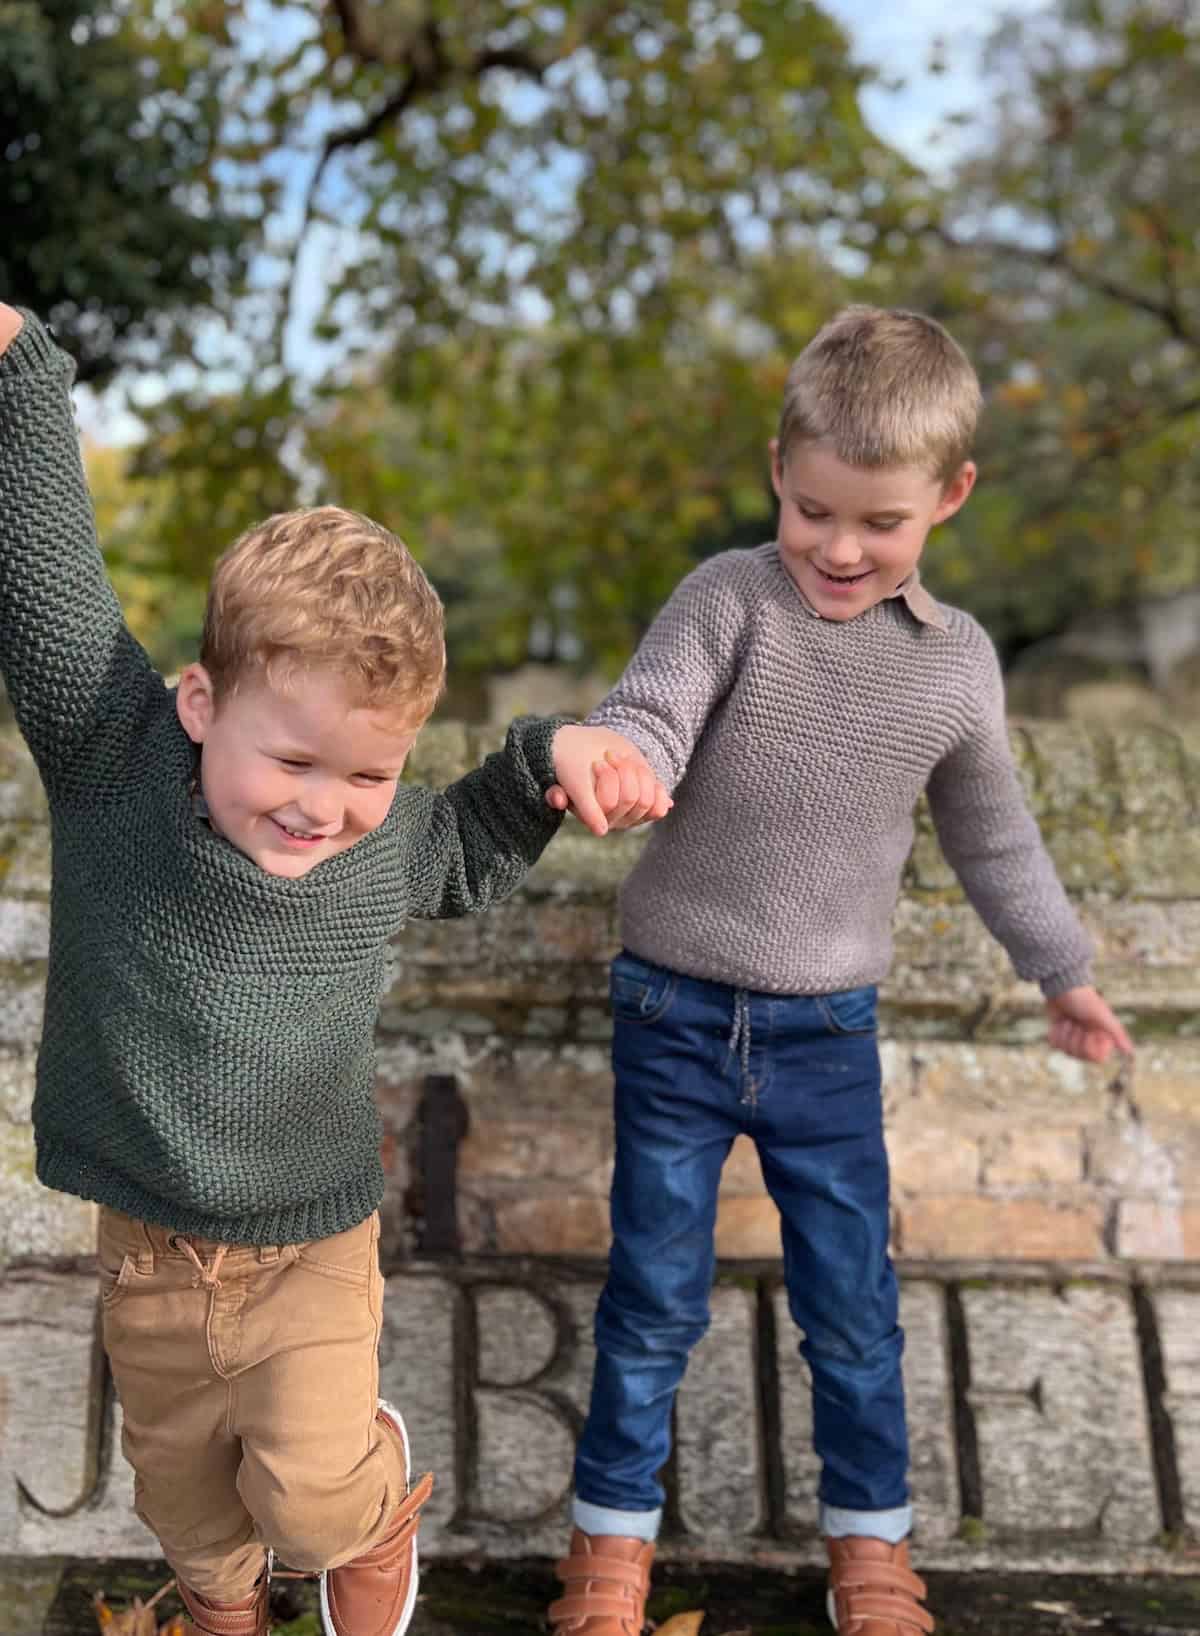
point(537, 740)
point(1061, 981)
point(32, 349)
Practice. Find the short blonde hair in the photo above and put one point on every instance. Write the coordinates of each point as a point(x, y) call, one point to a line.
point(883, 387)
point(325, 588)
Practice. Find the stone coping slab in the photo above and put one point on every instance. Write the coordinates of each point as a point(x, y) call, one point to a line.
point(1055, 1415)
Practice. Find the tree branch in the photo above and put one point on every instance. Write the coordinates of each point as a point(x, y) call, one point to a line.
point(426, 70)
point(1165, 310)
point(1106, 449)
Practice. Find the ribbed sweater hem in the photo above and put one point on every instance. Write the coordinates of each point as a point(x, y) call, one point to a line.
point(71, 1172)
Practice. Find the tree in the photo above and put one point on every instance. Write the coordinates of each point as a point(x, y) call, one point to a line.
point(1067, 253)
point(558, 482)
point(115, 224)
point(575, 249)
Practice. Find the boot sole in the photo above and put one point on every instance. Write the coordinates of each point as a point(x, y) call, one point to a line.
point(410, 1601)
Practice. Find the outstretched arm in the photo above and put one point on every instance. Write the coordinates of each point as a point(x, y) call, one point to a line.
point(477, 839)
point(77, 679)
point(992, 842)
point(684, 665)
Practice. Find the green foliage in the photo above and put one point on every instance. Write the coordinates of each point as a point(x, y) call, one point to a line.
point(569, 252)
point(1071, 243)
point(576, 250)
point(559, 482)
point(113, 219)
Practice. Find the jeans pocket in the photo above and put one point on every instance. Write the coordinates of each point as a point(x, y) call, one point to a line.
point(115, 1263)
point(115, 1281)
point(851, 1011)
point(638, 991)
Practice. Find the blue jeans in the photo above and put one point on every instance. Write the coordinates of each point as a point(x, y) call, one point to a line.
point(695, 1064)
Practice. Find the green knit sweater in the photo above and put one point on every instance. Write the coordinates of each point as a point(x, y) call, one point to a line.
point(207, 1058)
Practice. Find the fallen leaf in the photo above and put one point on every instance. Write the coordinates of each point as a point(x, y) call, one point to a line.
point(683, 1624)
point(136, 1620)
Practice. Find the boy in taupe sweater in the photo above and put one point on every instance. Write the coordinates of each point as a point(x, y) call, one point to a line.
point(798, 699)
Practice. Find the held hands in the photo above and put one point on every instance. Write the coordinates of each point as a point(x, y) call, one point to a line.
point(1083, 1025)
point(604, 780)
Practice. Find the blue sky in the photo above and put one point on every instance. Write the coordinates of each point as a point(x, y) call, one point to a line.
point(900, 38)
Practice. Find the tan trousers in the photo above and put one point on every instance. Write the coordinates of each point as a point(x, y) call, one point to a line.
point(248, 1378)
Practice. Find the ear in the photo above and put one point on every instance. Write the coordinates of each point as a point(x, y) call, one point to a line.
point(195, 702)
point(955, 492)
point(776, 468)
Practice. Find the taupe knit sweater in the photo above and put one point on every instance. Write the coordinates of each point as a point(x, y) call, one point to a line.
point(797, 748)
point(207, 1058)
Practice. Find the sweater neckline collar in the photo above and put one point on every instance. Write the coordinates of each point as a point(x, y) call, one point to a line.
point(910, 592)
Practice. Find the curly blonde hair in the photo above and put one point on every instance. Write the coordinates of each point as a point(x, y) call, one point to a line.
point(325, 588)
point(883, 387)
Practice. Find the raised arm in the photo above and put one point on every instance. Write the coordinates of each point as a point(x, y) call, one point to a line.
point(683, 667)
point(78, 681)
point(478, 838)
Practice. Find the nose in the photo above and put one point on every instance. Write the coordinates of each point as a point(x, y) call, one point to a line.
point(320, 805)
point(843, 550)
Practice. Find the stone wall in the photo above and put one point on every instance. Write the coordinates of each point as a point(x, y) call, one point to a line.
point(999, 1147)
point(1047, 1215)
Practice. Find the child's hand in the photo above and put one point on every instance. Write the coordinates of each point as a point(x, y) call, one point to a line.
point(1083, 1025)
point(604, 780)
point(10, 325)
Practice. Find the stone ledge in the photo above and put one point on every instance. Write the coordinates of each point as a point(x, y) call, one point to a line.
point(1055, 1415)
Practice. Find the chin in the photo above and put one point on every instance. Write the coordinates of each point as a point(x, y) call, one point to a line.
point(287, 868)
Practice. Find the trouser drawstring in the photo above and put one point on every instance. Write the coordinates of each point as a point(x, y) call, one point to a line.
point(739, 1041)
point(206, 1272)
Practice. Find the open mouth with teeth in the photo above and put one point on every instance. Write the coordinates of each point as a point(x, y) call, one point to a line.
point(844, 579)
point(300, 837)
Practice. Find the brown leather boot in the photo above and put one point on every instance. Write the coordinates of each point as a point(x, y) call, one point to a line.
point(606, 1579)
point(249, 1617)
point(375, 1594)
point(873, 1591)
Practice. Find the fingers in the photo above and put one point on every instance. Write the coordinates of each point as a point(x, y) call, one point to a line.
point(588, 798)
point(620, 792)
point(1076, 1040)
point(640, 798)
point(1121, 1038)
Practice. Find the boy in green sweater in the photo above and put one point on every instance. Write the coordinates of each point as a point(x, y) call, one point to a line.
point(231, 859)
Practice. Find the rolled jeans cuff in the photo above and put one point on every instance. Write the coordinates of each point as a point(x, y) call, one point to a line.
point(602, 1519)
point(892, 1526)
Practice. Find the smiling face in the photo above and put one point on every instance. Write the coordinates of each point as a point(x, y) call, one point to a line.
point(849, 536)
point(292, 777)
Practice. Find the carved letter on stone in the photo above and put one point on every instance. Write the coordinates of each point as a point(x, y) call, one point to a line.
point(1060, 1412)
point(64, 1487)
